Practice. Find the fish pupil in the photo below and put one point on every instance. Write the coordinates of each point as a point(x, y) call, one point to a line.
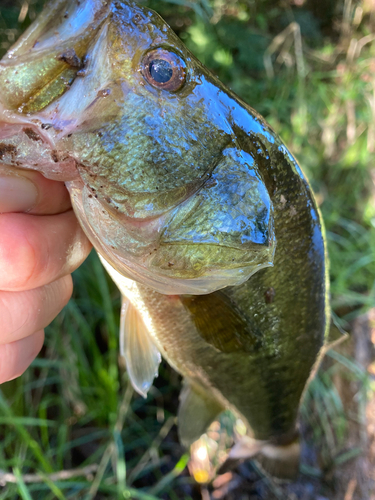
point(160, 70)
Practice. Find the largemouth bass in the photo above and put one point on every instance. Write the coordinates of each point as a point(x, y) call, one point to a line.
point(199, 212)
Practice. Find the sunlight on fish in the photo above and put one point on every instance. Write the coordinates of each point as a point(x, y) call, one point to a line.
point(199, 212)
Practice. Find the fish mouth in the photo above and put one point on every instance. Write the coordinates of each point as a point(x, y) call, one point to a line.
point(206, 235)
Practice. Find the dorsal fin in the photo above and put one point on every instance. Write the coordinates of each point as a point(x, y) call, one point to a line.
point(141, 356)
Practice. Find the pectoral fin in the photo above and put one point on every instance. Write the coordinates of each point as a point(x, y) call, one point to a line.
point(196, 412)
point(220, 323)
point(141, 356)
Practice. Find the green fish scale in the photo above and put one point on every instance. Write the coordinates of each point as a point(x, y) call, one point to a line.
point(148, 153)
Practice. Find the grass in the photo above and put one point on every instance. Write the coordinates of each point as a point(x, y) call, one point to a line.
point(74, 413)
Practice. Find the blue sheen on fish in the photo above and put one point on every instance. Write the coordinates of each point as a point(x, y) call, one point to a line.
point(198, 211)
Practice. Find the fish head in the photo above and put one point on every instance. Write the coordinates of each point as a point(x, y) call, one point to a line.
point(141, 133)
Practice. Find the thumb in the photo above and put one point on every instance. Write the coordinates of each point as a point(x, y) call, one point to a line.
point(28, 191)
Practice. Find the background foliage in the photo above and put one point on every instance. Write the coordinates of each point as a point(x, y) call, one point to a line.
point(308, 67)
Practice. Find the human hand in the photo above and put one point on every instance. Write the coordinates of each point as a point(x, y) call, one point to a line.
point(41, 243)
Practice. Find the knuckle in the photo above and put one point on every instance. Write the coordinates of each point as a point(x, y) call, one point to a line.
point(13, 324)
point(67, 288)
point(7, 319)
point(60, 291)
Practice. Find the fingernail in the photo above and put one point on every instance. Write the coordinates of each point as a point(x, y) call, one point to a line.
point(17, 194)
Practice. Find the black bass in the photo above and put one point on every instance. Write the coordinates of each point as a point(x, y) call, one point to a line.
point(200, 214)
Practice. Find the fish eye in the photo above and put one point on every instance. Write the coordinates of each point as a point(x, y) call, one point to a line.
point(164, 69)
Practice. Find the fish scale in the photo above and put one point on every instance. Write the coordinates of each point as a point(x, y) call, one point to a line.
point(198, 211)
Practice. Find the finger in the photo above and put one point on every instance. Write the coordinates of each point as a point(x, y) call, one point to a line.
point(28, 191)
point(36, 250)
point(17, 356)
point(23, 313)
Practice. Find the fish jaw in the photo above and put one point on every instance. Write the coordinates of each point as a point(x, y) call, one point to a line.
point(157, 178)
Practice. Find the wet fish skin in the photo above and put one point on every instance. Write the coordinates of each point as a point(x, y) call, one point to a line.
point(249, 347)
point(186, 207)
point(259, 361)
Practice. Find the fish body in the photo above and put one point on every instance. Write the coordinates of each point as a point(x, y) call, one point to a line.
point(199, 212)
